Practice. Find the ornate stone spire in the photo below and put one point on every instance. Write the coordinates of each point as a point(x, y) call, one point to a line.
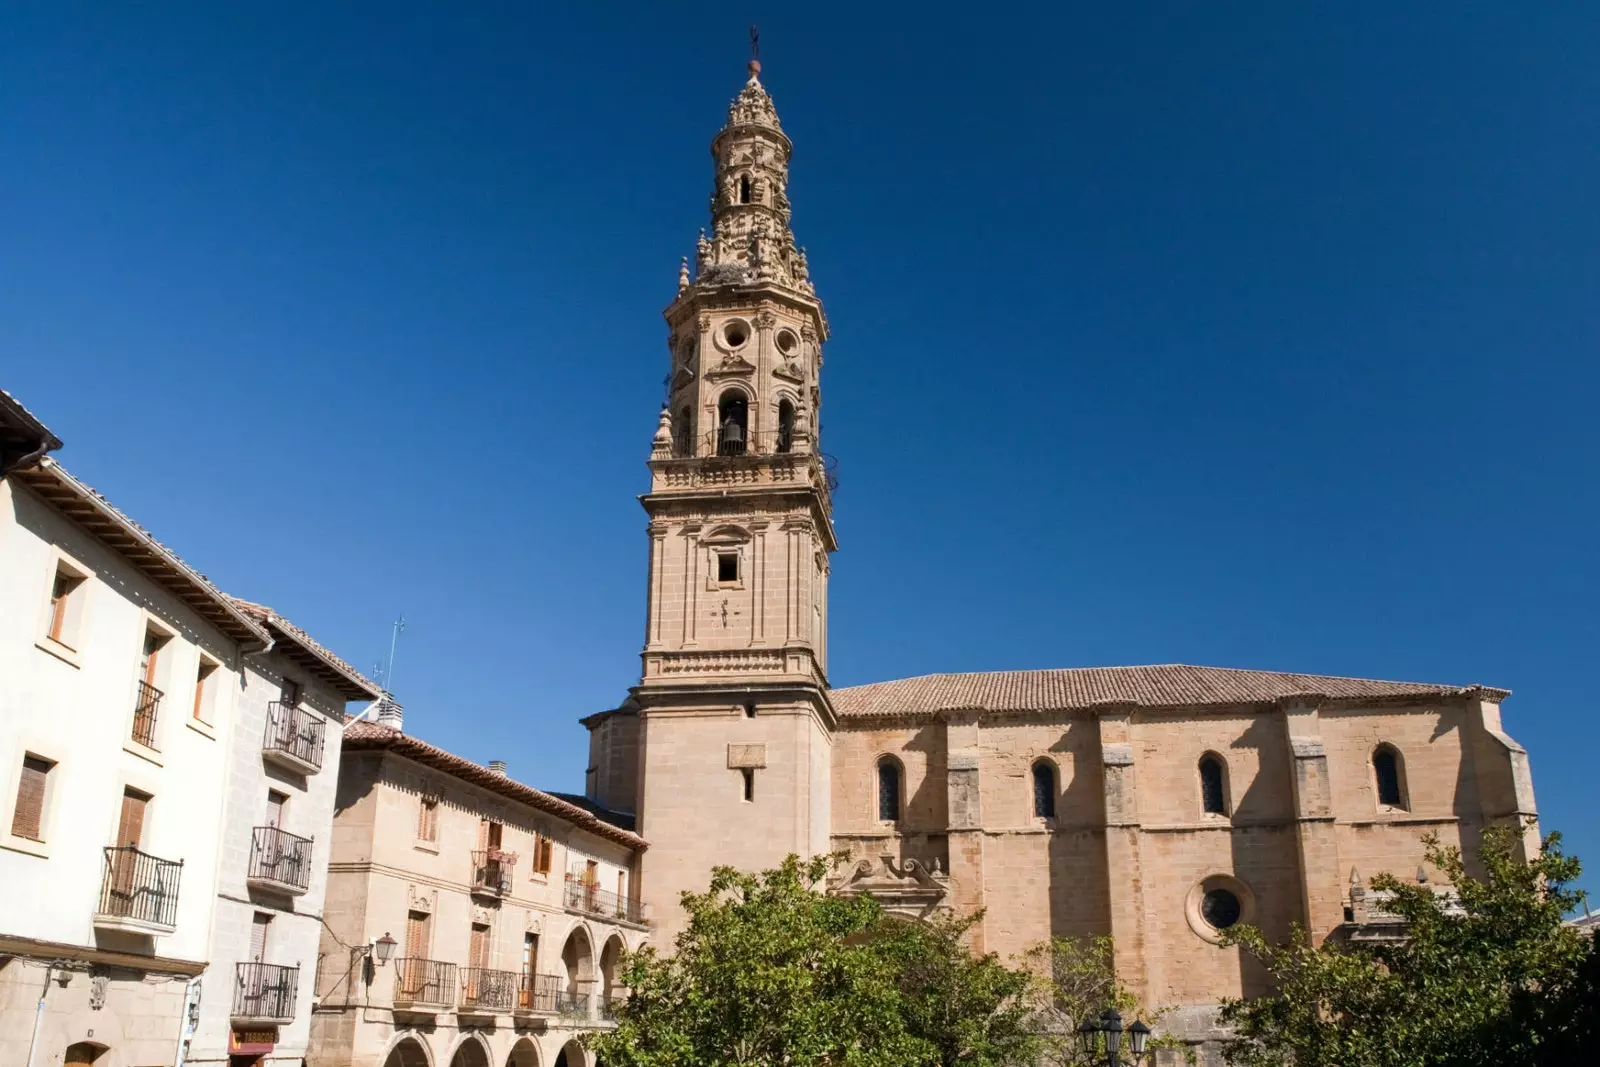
point(750, 237)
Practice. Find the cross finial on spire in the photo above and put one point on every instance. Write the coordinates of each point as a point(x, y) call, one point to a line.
point(755, 50)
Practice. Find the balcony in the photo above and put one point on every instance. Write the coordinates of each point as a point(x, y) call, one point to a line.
point(425, 987)
point(487, 992)
point(572, 1000)
point(138, 892)
point(280, 862)
point(586, 898)
point(294, 738)
point(539, 994)
point(264, 993)
point(146, 704)
point(491, 872)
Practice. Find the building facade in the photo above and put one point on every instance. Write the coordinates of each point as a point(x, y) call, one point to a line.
point(1158, 805)
point(277, 817)
point(471, 920)
point(119, 671)
point(169, 760)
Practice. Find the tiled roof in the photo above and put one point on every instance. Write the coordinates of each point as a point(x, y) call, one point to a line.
point(351, 683)
point(368, 736)
point(86, 507)
point(1169, 685)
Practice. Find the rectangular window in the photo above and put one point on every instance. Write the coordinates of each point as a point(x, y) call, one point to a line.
point(259, 925)
point(417, 930)
point(622, 885)
point(64, 600)
point(542, 849)
point(150, 658)
point(478, 947)
point(28, 818)
point(591, 872)
point(276, 804)
point(289, 693)
point(428, 819)
point(727, 566)
point(530, 956)
point(749, 782)
point(203, 689)
point(130, 824)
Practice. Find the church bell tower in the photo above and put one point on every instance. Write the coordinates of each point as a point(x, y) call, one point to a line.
point(734, 717)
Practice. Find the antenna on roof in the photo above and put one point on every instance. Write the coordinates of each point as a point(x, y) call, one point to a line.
point(394, 638)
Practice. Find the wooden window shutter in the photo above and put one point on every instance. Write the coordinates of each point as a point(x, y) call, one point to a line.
point(258, 936)
point(417, 935)
point(479, 948)
point(428, 819)
point(130, 828)
point(28, 818)
point(59, 591)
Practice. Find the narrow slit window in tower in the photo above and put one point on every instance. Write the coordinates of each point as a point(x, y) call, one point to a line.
point(749, 776)
point(744, 188)
point(1386, 768)
point(1044, 791)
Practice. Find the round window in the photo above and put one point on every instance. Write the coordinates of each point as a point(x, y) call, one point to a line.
point(735, 333)
point(787, 342)
point(1220, 909)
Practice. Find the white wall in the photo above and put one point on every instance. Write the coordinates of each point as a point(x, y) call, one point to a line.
point(75, 707)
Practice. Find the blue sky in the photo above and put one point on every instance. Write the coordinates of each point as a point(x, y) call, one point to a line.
point(1254, 335)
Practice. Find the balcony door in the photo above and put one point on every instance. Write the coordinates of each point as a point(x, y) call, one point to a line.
point(418, 936)
point(125, 864)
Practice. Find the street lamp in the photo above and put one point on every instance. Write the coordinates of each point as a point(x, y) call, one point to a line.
point(1109, 1025)
point(383, 948)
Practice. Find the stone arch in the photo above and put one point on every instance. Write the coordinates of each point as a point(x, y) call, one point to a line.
point(1389, 777)
point(471, 1051)
point(523, 1054)
point(572, 1054)
point(733, 420)
point(408, 1050)
point(611, 965)
point(578, 960)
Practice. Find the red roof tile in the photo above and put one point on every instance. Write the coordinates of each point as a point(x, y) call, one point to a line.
point(356, 686)
point(1170, 685)
point(367, 736)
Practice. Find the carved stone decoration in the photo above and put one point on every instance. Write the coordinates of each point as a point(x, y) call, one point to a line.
point(532, 921)
point(906, 888)
point(482, 915)
point(731, 365)
point(419, 899)
point(765, 319)
point(791, 371)
point(747, 755)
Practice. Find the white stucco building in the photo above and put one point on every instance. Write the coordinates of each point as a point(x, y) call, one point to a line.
point(168, 766)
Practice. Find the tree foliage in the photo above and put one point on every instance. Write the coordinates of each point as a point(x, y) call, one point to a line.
point(1076, 978)
point(1486, 976)
point(770, 970)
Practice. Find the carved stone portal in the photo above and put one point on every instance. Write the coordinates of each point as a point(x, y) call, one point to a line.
point(908, 888)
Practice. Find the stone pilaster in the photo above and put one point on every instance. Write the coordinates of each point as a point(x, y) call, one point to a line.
point(1321, 900)
point(964, 815)
point(1123, 868)
point(1500, 765)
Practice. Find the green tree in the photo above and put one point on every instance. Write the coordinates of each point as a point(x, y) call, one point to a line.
point(771, 970)
point(1075, 978)
point(1487, 976)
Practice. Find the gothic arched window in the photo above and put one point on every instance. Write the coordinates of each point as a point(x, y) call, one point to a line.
point(1213, 795)
point(785, 426)
point(888, 790)
point(1389, 772)
point(1044, 790)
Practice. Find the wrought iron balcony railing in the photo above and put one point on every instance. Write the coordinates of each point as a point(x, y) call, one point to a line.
point(264, 992)
point(572, 999)
point(294, 736)
point(139, 890)
point(421, 983)
point(540, 992)
point(486, 990)
point(279, 860)
point(145, 706)
point(590, 899)
point(491, 872)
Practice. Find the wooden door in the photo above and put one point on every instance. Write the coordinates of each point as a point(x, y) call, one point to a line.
point(415, 974)
point(530, 960)
point(124, 864)
point(289, 693)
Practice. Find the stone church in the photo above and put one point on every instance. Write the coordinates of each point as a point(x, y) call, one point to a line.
point(1155, 804)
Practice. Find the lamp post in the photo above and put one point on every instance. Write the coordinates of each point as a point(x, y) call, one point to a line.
point(1109, 1025)
point(383, 948)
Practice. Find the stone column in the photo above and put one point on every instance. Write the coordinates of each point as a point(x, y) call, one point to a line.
point(1321, 889)
point(964, 815)
point(1123, 869)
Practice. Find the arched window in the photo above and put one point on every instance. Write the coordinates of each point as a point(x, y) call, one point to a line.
point(785, 426)
point(683, 430)
point(1389, 773)
point(744, 188)
point(1213, 795)
point(888, 790)
point(1044, 790)
point(732, 424)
